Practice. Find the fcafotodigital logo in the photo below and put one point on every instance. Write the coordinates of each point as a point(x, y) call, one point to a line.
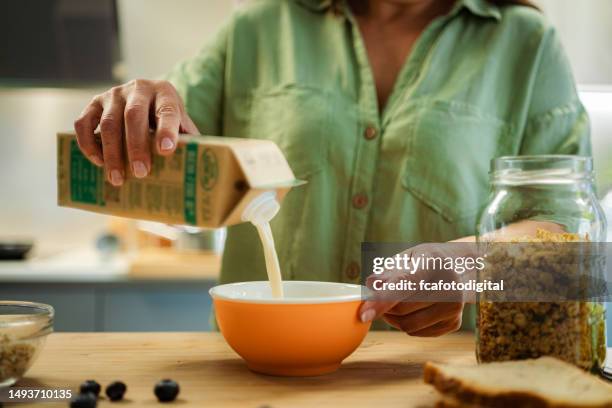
point(209, 169)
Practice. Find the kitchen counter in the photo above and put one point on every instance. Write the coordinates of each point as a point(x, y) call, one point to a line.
point(155, 289)
point(74, 265)
point(385, 371)
point(86, 265)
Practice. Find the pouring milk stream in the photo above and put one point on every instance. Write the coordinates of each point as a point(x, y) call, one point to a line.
point(259, 212)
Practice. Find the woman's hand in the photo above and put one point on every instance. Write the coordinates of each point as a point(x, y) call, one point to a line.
point(419, 313)
point(425, 319)
point(422, 313)
point(125, 114)
point(420, 319)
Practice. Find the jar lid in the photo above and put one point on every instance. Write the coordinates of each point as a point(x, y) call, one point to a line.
point(541, 169)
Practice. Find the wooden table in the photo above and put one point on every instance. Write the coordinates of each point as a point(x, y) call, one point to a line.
point(386, 371)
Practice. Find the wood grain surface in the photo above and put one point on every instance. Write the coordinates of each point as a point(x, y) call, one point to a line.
point(386, 371)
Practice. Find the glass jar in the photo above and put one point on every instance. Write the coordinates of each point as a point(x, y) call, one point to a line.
point(539, 203)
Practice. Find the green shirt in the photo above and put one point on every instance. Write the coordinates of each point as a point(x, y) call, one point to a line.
point(482, 81)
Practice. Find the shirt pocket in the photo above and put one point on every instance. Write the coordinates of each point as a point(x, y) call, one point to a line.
point(448, 157)
point(296, 119)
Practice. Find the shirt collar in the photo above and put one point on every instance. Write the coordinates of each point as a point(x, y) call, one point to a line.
point(482, 8)
point(316, 5)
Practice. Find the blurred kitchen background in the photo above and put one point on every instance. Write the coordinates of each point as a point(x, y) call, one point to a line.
point(105, 274)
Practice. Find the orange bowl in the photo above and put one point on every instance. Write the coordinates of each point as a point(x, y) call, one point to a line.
point(308, 332)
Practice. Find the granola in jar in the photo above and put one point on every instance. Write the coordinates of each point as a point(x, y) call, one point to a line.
point(571, 330)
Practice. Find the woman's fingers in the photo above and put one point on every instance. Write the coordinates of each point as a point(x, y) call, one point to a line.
point(167, 118)
point(111, 123)
point(125, 114)
point(424, 318)
point(372, 309)
point(405, 308)
point(440, 328)
point(137, 131)
point(84, 127)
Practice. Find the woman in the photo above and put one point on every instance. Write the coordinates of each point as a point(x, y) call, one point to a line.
point(390, 109)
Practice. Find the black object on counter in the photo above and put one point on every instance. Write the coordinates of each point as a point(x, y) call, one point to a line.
point(91, 386)
point(116, 390)
point(14, 251)
point(166, 390)
point(85, 400)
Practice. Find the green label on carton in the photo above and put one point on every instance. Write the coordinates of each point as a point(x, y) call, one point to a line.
point(209, 169)
point(86, 180)
point(191, 168)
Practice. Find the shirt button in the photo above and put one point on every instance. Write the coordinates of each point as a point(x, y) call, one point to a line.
point(353, 271)
point(370, 133)
point(360, 201)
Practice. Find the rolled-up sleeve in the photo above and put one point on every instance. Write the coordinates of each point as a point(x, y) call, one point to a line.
point(557, 121)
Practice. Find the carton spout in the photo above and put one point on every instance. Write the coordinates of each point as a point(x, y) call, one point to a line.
point(262, 208)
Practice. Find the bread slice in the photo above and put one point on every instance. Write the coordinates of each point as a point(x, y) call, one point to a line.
point(544, 382)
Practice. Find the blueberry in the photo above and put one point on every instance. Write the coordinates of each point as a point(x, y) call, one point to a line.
point(85, 400)
point(166, 390)
point(115, 391)
point(90, 386)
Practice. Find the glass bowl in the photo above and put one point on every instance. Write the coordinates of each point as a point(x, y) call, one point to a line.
point(24, 326)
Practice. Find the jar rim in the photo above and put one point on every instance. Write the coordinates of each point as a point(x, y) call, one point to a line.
point(541, 169)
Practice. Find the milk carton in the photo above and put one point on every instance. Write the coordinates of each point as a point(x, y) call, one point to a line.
point(207, 182)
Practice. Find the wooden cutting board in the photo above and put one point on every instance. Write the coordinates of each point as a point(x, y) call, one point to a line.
point(386, 371)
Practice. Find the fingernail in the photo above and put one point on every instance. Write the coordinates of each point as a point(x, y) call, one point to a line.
point(139, 169)
point(97, 160)
point(368, 316)
point(116, 178)
point(167, 144)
